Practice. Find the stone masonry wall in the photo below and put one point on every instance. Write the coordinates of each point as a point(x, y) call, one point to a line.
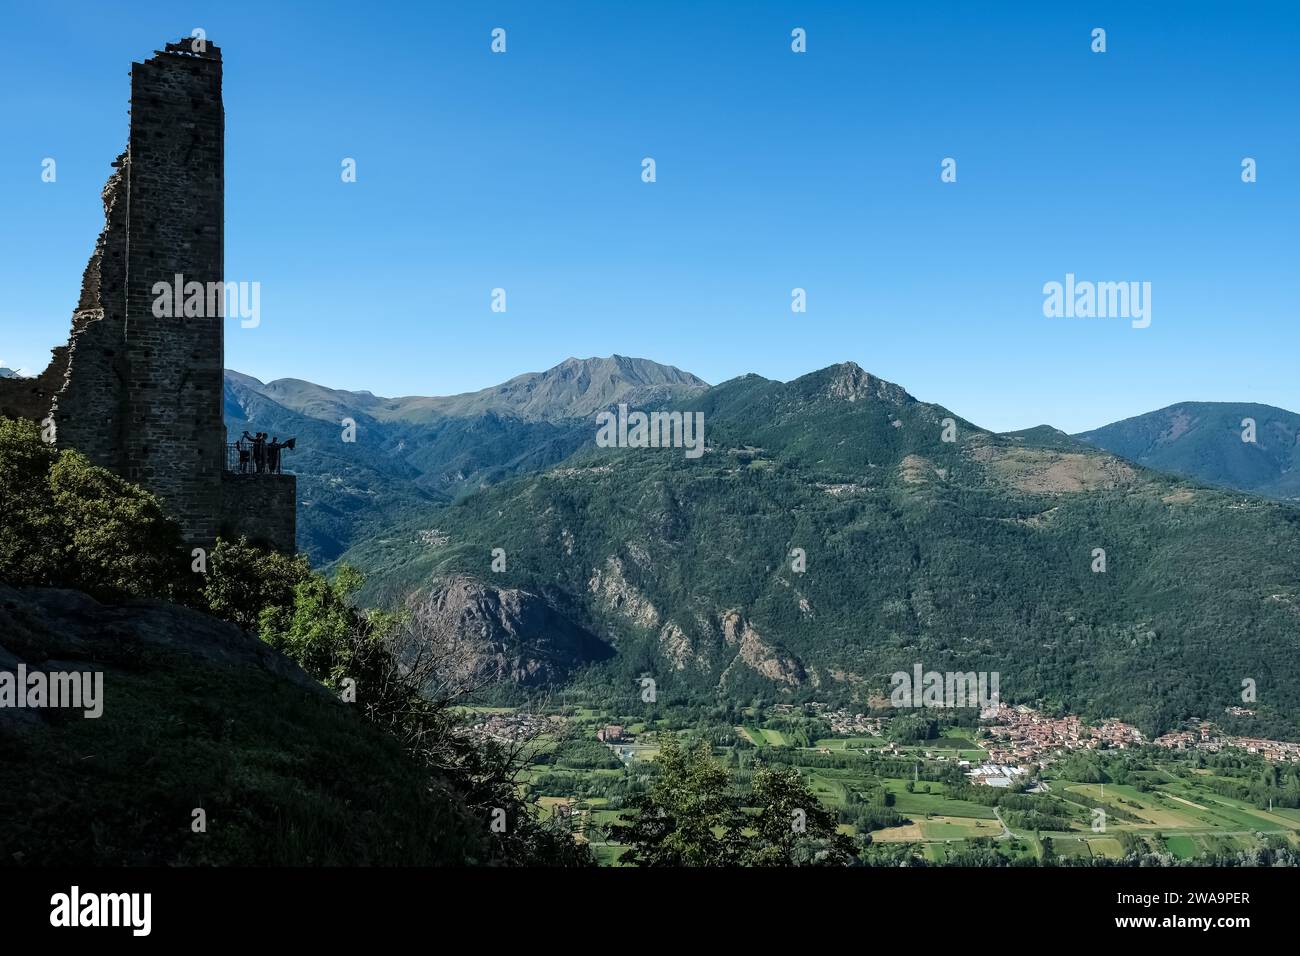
point(176, 210)
point(263, 507)
point(87, 373)
point(90, 409)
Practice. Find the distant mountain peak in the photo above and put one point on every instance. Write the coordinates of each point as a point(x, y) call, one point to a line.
point(638, 370)
point(576, 388)
point(850, 382)
point(1046, 436)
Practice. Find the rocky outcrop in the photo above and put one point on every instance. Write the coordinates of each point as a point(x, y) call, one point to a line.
point(681, 650)
point(675, 645)
point(511, 634)
point(757, 654)
point(615, 594)
point(851, 383)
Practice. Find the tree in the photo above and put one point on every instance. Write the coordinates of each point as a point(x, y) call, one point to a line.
point(792, 828)
point(688, 817)
point(1049, 851)
point(244, 580)
point(31, 533)
point(692, 816)
point(67, 523)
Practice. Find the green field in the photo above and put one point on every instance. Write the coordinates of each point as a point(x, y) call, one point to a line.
point(850, 743)
point(934, 802)
point(1164, 806)
point(1072, 849)
point(1107, 847)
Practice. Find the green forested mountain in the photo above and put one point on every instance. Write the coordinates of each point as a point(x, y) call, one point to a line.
point(416, 450)
point(1204, 440)
point(971, 554)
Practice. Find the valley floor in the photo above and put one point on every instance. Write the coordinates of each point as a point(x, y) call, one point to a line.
point(922, 800)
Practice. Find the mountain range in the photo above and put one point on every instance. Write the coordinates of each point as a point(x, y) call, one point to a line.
point(419, 450)
point(422, 450)
point(836, 530)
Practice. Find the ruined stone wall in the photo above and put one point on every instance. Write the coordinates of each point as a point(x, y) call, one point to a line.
point(31, 397)
point(175, 214)
point(87, 373)
point(263, 507)
point(142, 394)
point(90, 409)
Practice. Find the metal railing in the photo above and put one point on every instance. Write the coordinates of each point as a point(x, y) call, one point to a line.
point(245, 458)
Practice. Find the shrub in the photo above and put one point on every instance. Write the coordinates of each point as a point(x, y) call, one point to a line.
point(65, 522)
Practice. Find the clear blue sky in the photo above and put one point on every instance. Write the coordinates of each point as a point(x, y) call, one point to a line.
point(775, 170)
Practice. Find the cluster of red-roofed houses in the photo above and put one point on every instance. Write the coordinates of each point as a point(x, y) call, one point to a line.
point(1203, 735)
point(1021, 735)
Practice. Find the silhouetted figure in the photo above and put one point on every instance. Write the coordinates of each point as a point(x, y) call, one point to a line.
point(244, 455)
point(259, 451)
point(273, 455)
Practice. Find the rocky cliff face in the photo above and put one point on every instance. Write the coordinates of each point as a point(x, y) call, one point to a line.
point(757, 654)
point(515, 635)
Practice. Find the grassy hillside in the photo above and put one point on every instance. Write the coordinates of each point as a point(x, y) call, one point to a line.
point(246, 710)
point(286, 774)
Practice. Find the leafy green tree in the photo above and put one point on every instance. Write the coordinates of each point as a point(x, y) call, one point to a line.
point(688, 817)
point(792, 828)
point(65, 522)
point(32, 533)
point(691, 815)
point(335, 641)
point(244, 580)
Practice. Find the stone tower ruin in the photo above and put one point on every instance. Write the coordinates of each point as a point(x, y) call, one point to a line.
point(139, 394)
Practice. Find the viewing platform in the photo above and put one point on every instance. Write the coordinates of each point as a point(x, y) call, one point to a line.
point(242, 458)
